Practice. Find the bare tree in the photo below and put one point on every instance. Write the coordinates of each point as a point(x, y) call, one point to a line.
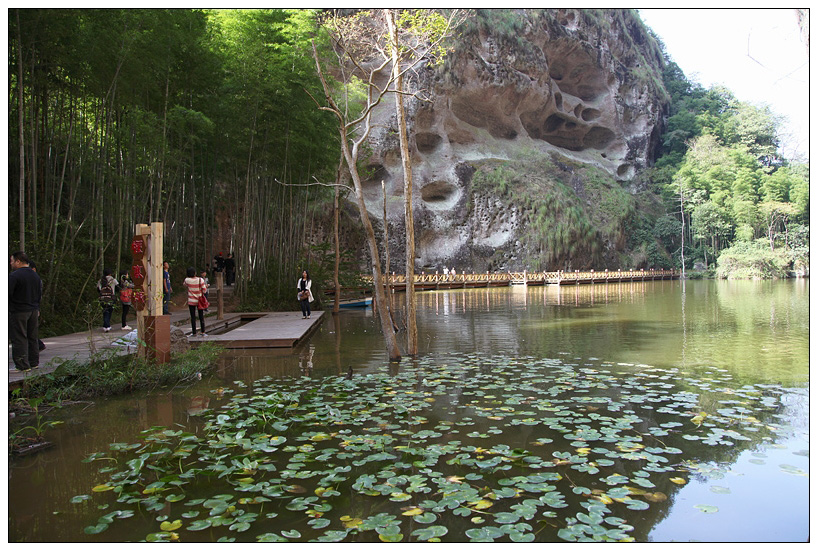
point(353, 134)
point(414, 40)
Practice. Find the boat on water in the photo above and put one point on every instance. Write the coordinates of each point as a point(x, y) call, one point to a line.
point(362, 302)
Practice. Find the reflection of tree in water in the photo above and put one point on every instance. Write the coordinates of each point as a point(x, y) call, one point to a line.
point(547, 320)
point(305, 360)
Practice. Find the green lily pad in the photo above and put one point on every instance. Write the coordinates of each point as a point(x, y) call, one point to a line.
point(430, 533)
point(96, 528)
point(170, 526)
point(197, 525)
point(707, 508)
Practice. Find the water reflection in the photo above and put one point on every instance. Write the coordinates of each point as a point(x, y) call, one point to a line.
point(753, 331)
point(709, 324)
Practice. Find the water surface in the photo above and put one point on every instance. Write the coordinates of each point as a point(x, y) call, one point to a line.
point(748, 332)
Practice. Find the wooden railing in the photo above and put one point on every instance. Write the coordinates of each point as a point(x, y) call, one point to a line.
point(487, 279)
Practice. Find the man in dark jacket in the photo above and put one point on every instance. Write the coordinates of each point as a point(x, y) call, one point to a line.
point(25, 291)
point(230, 269)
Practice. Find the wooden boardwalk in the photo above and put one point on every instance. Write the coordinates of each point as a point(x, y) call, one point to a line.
point(242, 330)
point(264, 330)
point(428, 282)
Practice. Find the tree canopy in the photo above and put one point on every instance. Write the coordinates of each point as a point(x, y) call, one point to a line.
point(723, 155)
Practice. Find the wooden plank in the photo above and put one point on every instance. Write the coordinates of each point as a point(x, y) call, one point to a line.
point(273, 330)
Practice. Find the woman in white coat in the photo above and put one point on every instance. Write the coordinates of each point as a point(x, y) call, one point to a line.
point(304, 293)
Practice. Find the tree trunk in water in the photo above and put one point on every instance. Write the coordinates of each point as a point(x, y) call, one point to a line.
point(682, 212)
point(391, 306)
point(351, 157)
point(380, 295)
point(336, 231)
point(411, 319)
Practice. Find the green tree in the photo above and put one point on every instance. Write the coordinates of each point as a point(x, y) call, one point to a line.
point(776, 216)
point(756, 128)
point(711, 223)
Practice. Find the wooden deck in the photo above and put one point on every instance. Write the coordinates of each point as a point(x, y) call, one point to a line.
point(265, 330)
point(275, 331)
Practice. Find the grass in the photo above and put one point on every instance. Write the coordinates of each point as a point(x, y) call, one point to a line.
point(108, 374)
point(570, 210)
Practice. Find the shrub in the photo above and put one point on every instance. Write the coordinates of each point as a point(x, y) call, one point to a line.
point(109, 374)
point(752, 260)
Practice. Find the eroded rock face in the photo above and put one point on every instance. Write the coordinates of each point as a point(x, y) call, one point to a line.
point(582, 85)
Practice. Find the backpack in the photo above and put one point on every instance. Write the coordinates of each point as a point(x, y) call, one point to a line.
point(125, 295)
point(106, 295)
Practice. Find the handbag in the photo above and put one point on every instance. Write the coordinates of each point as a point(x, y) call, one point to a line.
point(203, 303)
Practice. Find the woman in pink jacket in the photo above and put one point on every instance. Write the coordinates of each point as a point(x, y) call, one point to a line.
point(196, 287)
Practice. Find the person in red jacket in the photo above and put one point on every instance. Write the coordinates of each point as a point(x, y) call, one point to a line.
point(196, 287)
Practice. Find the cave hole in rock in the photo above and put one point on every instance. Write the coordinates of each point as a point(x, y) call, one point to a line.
point(377, 173)
point(588, 92)
point(554, 122)
point(624, 171)
point(598, 137)
point(427, 142)
point(576, 70)
point(590, 114)
point(439, 194)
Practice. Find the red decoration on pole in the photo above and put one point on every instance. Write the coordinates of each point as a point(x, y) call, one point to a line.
point(139, 299)
point(138, 247)
point(138, 275)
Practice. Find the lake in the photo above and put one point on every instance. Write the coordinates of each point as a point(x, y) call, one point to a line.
point(653, 411)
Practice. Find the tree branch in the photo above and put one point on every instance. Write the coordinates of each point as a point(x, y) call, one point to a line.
point(316, 183)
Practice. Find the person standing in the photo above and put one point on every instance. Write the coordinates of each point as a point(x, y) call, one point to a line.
point(33, 266)
point(125, 297)
point(25, 292)
point(218, 263)
point(106, 287)
point(230, 269)
point(203, 275)
point(304, 285)
point(167, 288)
point(196, 287)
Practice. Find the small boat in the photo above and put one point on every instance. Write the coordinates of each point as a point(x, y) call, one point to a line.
point(362, 302)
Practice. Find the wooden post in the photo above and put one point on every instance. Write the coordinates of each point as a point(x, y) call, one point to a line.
point(220, 295)
point(142, 230)
point(153, 329)
point(155, 280)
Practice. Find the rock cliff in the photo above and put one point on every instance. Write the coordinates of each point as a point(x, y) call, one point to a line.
point(581, 87)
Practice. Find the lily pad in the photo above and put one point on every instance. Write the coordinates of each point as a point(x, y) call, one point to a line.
point(707, 508)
